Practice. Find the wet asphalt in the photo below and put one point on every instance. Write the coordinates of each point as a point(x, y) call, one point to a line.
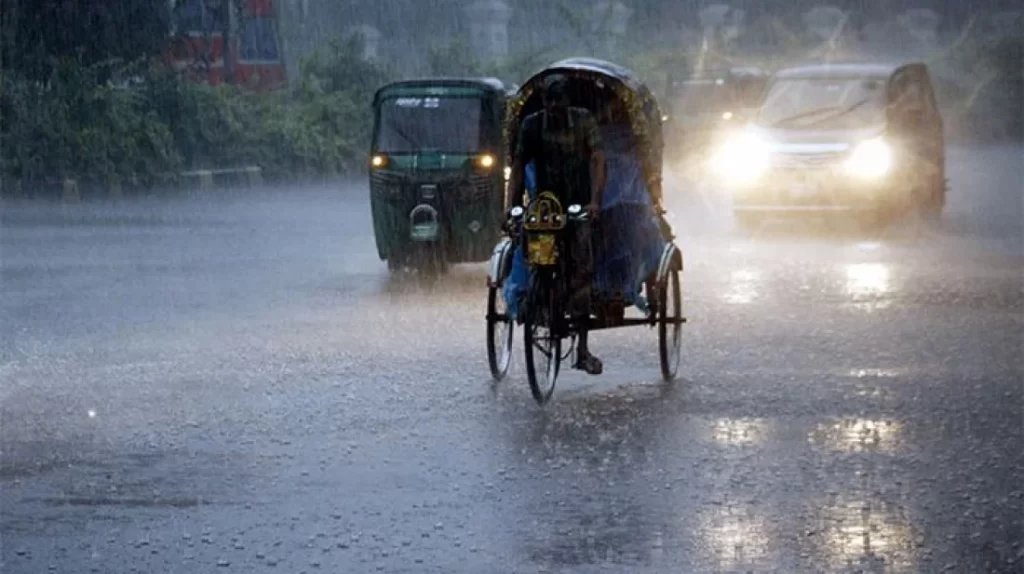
point(234, 384)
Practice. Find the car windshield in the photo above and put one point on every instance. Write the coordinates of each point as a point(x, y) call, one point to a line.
point(417, 124)
point(807, 103)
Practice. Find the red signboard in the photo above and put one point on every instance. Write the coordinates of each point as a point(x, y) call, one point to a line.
point(197, 43)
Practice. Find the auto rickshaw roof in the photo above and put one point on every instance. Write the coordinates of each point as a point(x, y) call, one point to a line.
point(879, 70)
point(493, 86)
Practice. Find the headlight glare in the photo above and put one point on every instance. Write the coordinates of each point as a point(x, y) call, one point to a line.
point(870, 159)
point(485, 161)
point(742, 159)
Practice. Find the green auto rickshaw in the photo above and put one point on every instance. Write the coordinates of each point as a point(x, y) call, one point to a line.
point(437, 171)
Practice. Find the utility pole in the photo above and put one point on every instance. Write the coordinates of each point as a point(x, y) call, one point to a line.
point(221, 10)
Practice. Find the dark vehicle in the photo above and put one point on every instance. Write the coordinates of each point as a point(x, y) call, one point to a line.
point(704, 106)
point(437, 171)
point(633, 246)
point(851, 138)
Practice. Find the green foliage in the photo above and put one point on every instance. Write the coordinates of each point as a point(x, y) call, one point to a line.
point(36, 32)
point(455, 59)
point(142, 122)
point(74, 125)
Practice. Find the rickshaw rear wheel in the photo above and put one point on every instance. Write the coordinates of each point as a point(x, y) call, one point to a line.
point(500, 334)
point(543, 311)
point(670, 324)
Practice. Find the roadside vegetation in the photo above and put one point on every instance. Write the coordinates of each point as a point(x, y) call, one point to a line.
point(139, 124)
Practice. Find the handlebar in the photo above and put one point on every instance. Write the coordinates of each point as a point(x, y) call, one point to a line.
point(514, 217)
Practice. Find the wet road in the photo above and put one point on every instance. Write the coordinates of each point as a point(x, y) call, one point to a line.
point(234, 385)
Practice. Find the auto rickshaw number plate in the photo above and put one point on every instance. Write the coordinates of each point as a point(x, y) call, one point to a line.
point(541, 249)
point(428, 231)
point(803, 186)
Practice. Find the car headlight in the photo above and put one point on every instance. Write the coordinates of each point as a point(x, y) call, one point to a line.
point(742, 158)
point(870, 159)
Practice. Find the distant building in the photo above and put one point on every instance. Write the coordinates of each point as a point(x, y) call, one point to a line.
point(197, 43)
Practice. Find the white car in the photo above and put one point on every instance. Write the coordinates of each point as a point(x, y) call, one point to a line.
point(863, 139)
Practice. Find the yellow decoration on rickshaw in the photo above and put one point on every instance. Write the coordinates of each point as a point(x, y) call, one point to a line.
point(541, 249)
point(544, 217)
point(544, 213)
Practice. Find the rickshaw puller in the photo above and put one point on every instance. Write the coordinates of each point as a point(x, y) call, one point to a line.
point(564, 143)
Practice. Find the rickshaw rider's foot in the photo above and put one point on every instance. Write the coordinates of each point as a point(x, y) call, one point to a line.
point(589, 363)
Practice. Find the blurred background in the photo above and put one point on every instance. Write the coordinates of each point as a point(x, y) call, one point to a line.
point(129, 93)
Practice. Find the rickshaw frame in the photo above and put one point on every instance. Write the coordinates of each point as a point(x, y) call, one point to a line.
point(645, 118)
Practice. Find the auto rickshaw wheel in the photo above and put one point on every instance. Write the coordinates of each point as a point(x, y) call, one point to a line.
point(500, 331)
point(670, 324)
point(429, 261)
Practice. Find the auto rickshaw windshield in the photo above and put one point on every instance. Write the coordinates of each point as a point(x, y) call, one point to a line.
point(436, 124)
point(823, 103)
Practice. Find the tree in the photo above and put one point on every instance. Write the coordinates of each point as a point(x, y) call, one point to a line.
point(36, 32)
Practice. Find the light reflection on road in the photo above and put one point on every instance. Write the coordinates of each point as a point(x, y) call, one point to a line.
point(736, 432)
point(857, 435)
point(860, 530)
point(743, 287)
point(735, 536)
point(867, 280)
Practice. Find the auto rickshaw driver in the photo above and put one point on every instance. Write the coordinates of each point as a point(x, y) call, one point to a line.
point(564, 144)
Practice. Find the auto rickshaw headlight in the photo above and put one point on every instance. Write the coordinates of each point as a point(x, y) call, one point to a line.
point(870, 159)
point(743, 158)
point(485, 161)
point(379, 160)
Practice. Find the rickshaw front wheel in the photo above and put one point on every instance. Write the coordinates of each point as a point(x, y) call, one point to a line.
point(541, 337)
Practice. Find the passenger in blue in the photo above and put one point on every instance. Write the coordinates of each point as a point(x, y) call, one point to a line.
point(564, 145)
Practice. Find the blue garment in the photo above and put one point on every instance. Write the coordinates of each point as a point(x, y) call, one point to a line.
point(627, 242)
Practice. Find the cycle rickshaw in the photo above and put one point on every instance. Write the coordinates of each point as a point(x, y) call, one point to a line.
point(636, 262)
